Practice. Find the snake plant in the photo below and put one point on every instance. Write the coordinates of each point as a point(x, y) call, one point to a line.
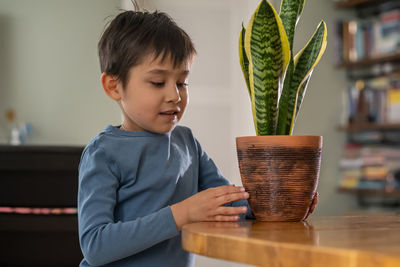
point(276, 80)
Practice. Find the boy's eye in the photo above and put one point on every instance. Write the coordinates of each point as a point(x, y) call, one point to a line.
point(157, 84)
point(161, 84)
point(182, 84)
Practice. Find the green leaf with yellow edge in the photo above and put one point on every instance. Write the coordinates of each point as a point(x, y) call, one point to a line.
point(244, 61)
point(285, 103)
point(268, 52)
point(292, 96)
point(304, 63)
point(290, 13)
point(301, 93)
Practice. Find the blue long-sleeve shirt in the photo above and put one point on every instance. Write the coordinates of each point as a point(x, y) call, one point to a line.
point(127, 183)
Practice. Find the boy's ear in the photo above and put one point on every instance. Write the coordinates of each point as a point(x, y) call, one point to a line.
point(111, 86)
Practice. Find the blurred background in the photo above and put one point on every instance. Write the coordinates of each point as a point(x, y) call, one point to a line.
point(50, 83)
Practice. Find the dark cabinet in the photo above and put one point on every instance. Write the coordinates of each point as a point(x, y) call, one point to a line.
point(38, 198)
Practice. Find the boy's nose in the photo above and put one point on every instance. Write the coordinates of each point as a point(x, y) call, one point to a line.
point(173, 94)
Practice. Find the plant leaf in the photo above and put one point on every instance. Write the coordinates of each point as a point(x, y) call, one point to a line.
point(301, 93)
point(304, 63)
point(244, 61)
point(286, 103)
point(290, 13)
point(312, 52)
point(267, 49)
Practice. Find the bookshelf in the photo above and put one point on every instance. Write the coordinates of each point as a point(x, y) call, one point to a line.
point(370, 192)
point(359, 127)
point(357, 3)
point(368, 49)
point(370, 61)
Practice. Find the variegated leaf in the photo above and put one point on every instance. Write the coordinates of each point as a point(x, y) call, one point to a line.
point(301, 93)
point(268, 52)
point(244, 61)
point(290, 14)
point(304, 63)
point(286, 103)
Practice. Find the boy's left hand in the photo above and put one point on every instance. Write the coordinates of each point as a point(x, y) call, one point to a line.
point(313, 205)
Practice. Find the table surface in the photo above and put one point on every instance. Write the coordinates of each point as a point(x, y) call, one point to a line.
point(348, 241)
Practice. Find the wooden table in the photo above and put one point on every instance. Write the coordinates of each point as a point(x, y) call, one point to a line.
point(343, 241)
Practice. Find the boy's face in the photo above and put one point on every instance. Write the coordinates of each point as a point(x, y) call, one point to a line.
point(155, 96)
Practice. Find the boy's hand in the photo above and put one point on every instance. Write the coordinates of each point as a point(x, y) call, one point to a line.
point(313, 205)
point(208, 205)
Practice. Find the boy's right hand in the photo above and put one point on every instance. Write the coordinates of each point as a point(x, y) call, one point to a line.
point(208, 205)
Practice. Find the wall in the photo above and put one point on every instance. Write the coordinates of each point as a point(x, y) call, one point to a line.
point(49, 68)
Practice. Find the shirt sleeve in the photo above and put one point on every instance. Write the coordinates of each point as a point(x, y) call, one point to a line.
point(102, 239)
point(210, 176)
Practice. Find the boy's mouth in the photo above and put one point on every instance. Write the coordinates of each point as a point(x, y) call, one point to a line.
point(170, 114)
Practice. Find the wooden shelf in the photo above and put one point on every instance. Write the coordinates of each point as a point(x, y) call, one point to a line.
point(357, 3)
point(370, 192)
point(369, 127)
point(370, 61)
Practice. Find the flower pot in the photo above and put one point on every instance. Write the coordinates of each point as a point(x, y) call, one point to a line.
point(280, 173)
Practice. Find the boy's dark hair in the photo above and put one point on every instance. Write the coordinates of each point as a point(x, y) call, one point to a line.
point(132, 35)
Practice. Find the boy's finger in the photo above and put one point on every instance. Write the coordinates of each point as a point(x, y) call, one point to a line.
point(227, 189)
point(314, 202)
point(312, 208)
point(222, 218)
point(227, 198)
point(231, 210)
point(313, 205)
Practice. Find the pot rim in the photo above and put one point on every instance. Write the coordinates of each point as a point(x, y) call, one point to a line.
point(291, 140)
point(280, 136)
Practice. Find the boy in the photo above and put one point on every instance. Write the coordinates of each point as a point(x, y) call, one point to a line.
point(140, 182)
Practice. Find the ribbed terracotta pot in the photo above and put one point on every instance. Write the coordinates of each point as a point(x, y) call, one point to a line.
point(280, 172)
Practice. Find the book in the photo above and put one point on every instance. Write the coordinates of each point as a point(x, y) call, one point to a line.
point(374, 36)
point(368, 166)
point(393, 105)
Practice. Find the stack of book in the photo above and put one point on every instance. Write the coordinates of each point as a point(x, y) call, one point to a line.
point(370, 37)
point(350, 166)
point(369, 167)
point(374, 100)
